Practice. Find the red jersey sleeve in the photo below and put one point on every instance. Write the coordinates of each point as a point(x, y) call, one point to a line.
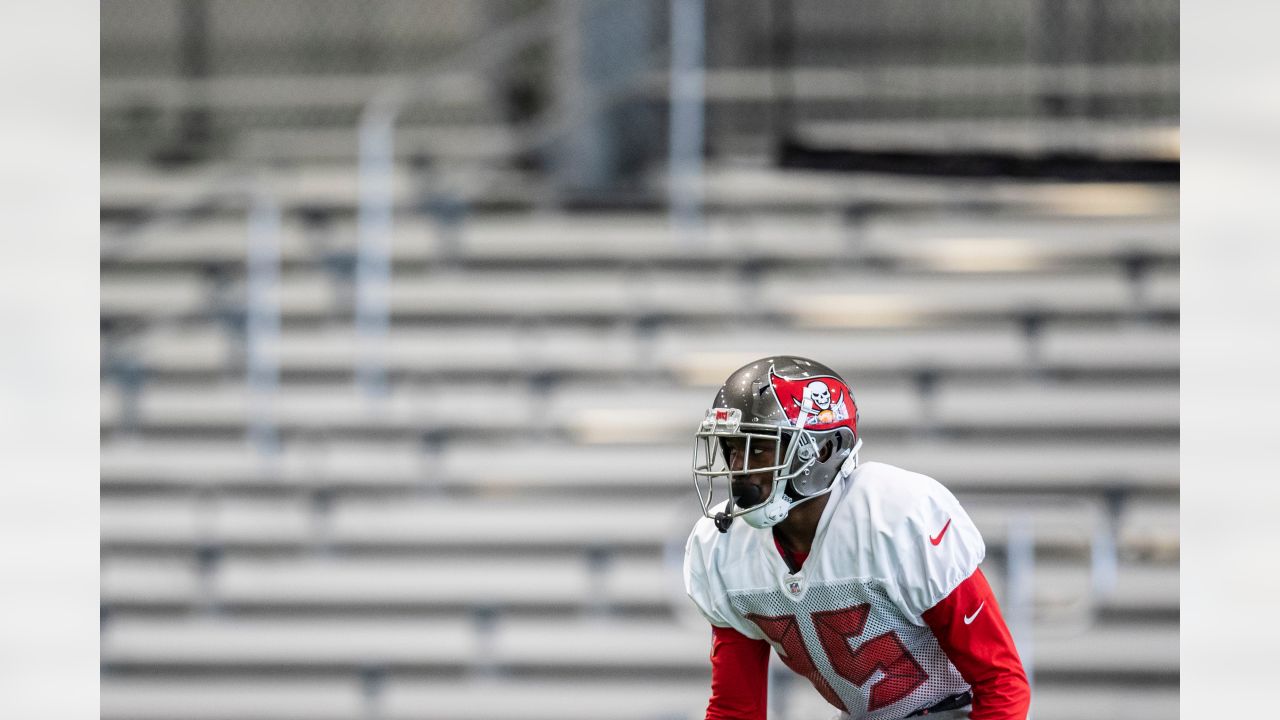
point(971, 631)
point(739, 676)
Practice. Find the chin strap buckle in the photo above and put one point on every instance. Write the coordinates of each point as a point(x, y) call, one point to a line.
point(722, 521)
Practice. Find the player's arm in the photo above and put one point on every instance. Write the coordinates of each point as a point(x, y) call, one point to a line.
point(739, 663)
point(973, 634)
point(739, 676)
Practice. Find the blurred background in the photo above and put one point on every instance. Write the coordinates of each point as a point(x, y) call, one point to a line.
point(409, 310)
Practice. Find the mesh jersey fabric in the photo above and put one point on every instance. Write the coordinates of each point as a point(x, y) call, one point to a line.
point(850, 620)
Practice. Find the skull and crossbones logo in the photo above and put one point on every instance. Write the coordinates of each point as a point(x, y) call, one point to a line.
point(813, 401)
point(820, 395)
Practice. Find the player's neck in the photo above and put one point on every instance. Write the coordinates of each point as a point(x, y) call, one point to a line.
point(796, 533)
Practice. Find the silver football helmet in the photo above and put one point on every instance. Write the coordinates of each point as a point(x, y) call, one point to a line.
point(787, 418)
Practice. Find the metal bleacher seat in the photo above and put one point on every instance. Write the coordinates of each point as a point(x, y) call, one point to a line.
point(681, 698)
point(467, 350)
point(302, 463)
point(813, 81)
point(617, 237)
point(184, 522)
point(512, 294)
point(306, 293)
point(989, 347)
point(1067, 523)
point(501, 522)
point(565, 238)
point(411, 699)
point(336, 186)
point(441, 581)
point(599, 643)
point(1068, 701)
point(759, 187)
point(1051, 700)
point(710, 355)
point(413, 409)
point(586, 411)
point(204, 348)
point(245, 642)
point(1107, 347)
point(431, 521)
point(402, 698)
point(339, 90)
point(644, 582)
point(530, 466)
point(110, 405)
point(210, 241)
point(153, 294)
point(988, 135)
point(232, 698)
point(846, 298)
point(149, 522)
point(149, 581)
point(663, 468)
point(1140, 648)
point(658, 470)
point(128, 185)
point(1022, 404)
point(964, 243)
point(560, 293)
point(221, 241)
point(1070, 685)
point(339, 349)
point(646, 237)
point(178, 462)
point(1065, 590)
point(1160, 290)
point(1146, 587)
point(641, 413)
point(1151, 528)
point(1054, 465)
point(470, 143)
point(585, 643)
point(140, 184)
point(550, 581)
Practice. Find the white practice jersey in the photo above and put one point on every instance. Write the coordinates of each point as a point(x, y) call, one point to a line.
point(890, 545)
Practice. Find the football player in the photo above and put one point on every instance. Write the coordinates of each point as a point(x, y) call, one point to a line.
point(864, 578)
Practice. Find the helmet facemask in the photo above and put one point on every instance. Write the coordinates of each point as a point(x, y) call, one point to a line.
point(802, 465)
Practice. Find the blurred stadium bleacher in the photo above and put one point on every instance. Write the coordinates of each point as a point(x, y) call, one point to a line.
point(495, 533)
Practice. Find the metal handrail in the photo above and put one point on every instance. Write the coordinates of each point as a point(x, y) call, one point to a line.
point(262, 284)
point(688, 77)
point(262, 316)
point(375, 213)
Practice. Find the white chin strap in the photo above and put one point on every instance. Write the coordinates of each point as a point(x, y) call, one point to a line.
point(850, 463)
point(778, 506)
point(772, 511)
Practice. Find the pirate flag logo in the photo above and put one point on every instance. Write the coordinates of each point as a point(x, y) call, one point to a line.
point(815, 403)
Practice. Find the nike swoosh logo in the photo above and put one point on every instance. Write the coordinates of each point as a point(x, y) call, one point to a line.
point(969, 618)
point(936, 540)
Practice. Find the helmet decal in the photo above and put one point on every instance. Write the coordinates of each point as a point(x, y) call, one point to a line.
point(822, 402)
point(811, 421)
